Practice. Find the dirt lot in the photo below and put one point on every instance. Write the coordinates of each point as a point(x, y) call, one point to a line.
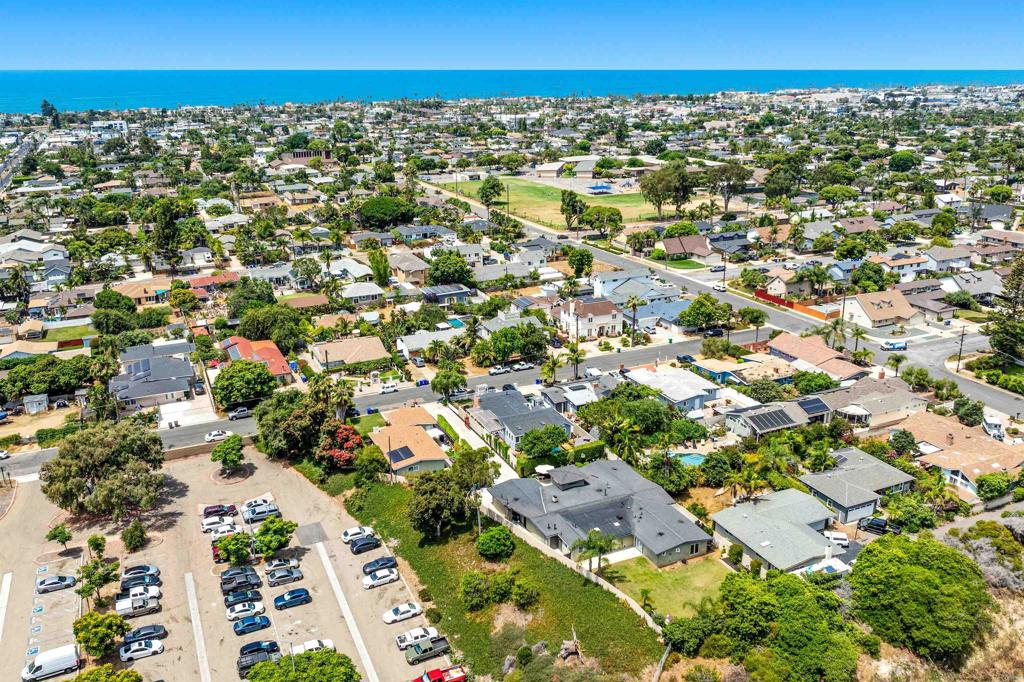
point(27, 425)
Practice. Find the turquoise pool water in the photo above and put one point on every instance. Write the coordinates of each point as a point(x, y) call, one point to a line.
point(456, 323)
point(693, 459)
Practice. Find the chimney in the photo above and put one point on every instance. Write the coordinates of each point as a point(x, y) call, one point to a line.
point(949, 438)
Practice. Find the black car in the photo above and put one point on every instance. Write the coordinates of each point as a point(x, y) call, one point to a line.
point(219, 510)
point(555, 343)
point(246, 663)
point(145, 632)
point(708, 333)
point(508, 387)
point(379, 564)
point(237, 570)
point(364, 544)
point(141, 581)
point(239, 583)
point(242, 597)
point(878, 526)
point(267, 645)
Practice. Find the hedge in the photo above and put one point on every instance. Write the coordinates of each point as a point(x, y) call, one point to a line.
point(1009, 382)
point(47, 437)
point(587, 452)
point(8, 441)
point(366, 367)
point(443, 424)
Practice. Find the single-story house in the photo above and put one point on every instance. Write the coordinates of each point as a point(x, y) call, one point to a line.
point(676, 386)
point(857, 484)
point(445, 295)
point(410, 442)
point(265, 352)
point(349, 351)
point(362, 293)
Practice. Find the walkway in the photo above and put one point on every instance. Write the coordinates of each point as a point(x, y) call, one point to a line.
point(505, 472)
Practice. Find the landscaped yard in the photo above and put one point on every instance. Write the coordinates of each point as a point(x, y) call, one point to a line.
point(365, 425)
point(972, 315)
point(608, 630)
point(676, 589)
point(541, 203)
point(682, 264)
point(69, 333)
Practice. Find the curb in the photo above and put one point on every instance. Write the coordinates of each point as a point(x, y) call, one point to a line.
point(14, 498)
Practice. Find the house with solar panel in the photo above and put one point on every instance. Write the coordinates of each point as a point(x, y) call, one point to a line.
point(412, 441)
point(760, 420)
point(854, 488)
point(608, 496)
point(154, 374)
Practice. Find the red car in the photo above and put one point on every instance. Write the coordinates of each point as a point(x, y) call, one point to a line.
point(219, 510)
point(217, 558)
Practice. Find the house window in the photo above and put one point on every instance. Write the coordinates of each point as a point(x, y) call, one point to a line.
point(694, 548)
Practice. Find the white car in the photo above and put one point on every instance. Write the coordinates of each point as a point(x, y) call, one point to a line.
point(520, 366)
point(498, 370)
point(5, 454)
point(223, 531)
point(143, 649)
point(256, 502)
point(356, 533)
point(402, 612)
point(415, 636)
point(245, 609)
point(280, 563)
point(217, 436)
point(592, 372)
point(313, 645)
point(214, 522)
point(140, 592)
point(719, 287)
point(839, 538)
point(381, 577)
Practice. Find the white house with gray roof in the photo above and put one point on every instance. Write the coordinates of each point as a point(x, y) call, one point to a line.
point(607, 496)
point(856, 485)
point(782, 529)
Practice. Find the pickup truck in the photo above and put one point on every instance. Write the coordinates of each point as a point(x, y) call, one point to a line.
point(130, 608)
point(424, 651)
point(456, 673)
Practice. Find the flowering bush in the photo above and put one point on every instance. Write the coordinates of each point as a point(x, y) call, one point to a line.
point(339, 444)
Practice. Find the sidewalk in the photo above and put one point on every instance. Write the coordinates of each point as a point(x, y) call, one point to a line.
point(505, 472)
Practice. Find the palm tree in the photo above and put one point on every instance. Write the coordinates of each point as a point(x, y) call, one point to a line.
point(837, 327)
point(820, 458)
point(595, 545)
point(549, 368)
point(895, 360)
point(633, 303)
point(746, 479)
point(341, 397)
point(627, 441)
point(575, 355)
point(863, 356)
point(434, 351)
point(858, 334)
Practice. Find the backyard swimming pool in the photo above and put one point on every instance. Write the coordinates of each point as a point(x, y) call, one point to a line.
point(694, 459)
point(456, 323)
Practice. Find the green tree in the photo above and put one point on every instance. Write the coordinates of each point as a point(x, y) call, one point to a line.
point(594, 546)
point(490, 190)
point(703, 312)
point(98, 633)
point(572, 208)
point(109, 470)
point(755, 317)
point(106, 673)
point(236, 548)
point(895, 360)
point(447, 382)
point(243, 381)
point(728, 180)
point(134, 536)
point(903, 161)
point(274, 534)
point(807, 383)
point(1000, 193)
point(249, 293)
point(1006, 323)
point(449, 267)
point(495, 543)
point(436, 504)
point(542, 441)
point(229, 453)
point(380, 267)
point(581, 261)
point(313, 666)
point(765, 391)
point(549, 368)
point(108, 299)
point(902, 442)
point(94, 575)
point(605, 219)
point(184, 300)
point(575, 355)
point(59, 533)
point(278, 323)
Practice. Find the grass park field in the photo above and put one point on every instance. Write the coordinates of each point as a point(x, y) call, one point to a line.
point(540, 203)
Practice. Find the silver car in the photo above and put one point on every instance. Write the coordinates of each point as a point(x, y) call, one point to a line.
point(54, 583)
point(283, 576)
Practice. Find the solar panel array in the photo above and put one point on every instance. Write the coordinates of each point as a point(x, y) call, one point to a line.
point(769, 421)
point(400, 455)
point(813, 406)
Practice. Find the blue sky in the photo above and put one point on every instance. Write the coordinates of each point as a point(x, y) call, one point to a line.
point(529, 34)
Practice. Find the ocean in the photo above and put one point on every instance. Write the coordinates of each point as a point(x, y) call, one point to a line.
point(22, 91)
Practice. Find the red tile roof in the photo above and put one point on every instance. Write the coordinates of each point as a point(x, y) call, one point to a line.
point(266, 352)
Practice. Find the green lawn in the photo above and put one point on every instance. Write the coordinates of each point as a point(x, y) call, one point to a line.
point(541, 203)
point(69, 333)
point(332, 484)
point(365, 425)
point(675, 590)
point(608, 630)
point(683, 264)
point(972, 315)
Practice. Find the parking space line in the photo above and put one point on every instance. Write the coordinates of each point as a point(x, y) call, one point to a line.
point(197, 628)
point(5, 594)
point(346, 611)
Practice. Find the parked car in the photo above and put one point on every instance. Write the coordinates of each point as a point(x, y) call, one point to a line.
point(356, 533)
point(141, 569)
point(143, 649)
point(239, 583)
point(379, 564)
point(239, 413)
point(139, 592)
point(223, 531)
point(292, 598)
point(592, 372)
point(141, 581)
point(219, 510)
point(313, 645)
point(267, 645)
point(5, 454)
point(424, 651)
point(554, 342)
point(217, 436)
point(236, 571)
point(520, 366)
point(244, 610)
point(508, 387)
point(241, 597)
point(402, 612)
point(388, 387)
point(498, 370)
point(717, 268)
point(251, 624)
point(713, 332)
point(878, 526)
point(54, 583)
point(415, 636)
point(255, 502)
point(145, 632)
point(839, 538)
point(212, 523)
point(247, 662)
point(261, 513)
point(718, 286)
point(217, 557)
point(364, 545)
point(276, 564)
point(283, 576)
point(418, 361)
point(379, 578)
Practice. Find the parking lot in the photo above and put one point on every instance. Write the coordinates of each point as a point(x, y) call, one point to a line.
point(201, 644)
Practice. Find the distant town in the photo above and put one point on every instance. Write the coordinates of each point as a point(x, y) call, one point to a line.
point(705, 388)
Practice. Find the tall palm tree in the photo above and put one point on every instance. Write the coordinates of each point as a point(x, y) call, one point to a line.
point(341, 397)
point(575, 355)
point(595, 546)
point(434, 350)
point(837, 326)
point(634, 302)
point(627, 441)
point(895, 360)
point(746, 479)
point(862, 356)
point(858, 334)
point(549, 368)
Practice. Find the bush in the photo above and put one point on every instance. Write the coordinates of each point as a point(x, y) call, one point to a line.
point(433, 615)
point(475, 590)
point(8, 441)
point(501, 586)
point(443, 424)
point(755, 566)
point(702, 673)
point(525, 594)
point(735, 554)
point(424, 594)
point(585, 453)
point(524, 656)
point(994, 485)
point(868, 643)
point(134, 536)
point(496, 543)
point(717, 645)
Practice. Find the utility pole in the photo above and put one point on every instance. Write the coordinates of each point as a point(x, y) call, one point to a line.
point(960, 353)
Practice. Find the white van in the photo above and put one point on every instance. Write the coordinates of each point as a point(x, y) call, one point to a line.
point(894, 345)
point(839, 538)
point(389, 387)
point(52, 662)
